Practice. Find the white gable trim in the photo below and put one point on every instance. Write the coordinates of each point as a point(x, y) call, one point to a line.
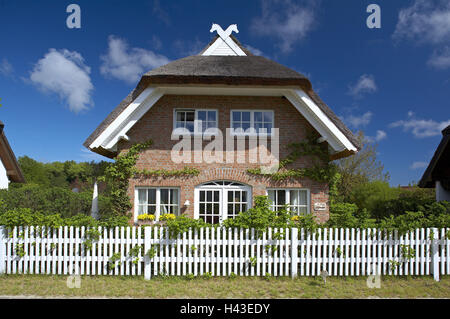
point(298, 98)
point(320, 121)
point(224, 45)
point(132, 113)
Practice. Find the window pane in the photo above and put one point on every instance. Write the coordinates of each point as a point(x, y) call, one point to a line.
point(179, 124)
point(245, 126)
point(141, 209)
point(268, 117)
point(180, 116)
point(151, 198)
point(142, 199)
point(268, 128)
point(246, 116)
point(236, 116)
point(202, 115)
point(212, 116)
point(271, 194)
point(294, 197)
point(190, 126)
point(202, 196)
point(281, 197)
point(190, 116)
point(174, 196)
point(258, 117)
point(151, 209)
point(303, 198)
point(164, 196)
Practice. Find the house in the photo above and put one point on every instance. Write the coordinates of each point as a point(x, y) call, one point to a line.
point(437, 174)
point(230, 91)
point(9, 167)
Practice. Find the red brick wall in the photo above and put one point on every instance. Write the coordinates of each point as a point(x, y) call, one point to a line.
point(157, 124)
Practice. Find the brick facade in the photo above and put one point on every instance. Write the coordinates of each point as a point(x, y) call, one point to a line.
point(157, 124)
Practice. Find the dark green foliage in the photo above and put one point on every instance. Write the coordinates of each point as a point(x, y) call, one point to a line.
point(117, 176)
point(260, 217)
point(407, 200)
point(27, 217)
point(52, 200)
point(60, 174)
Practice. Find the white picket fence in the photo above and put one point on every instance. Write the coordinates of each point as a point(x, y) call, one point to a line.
point(221, 252)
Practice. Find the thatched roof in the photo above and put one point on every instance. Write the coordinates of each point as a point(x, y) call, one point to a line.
point(9, 159)
point(439, 167)
point(222, 70)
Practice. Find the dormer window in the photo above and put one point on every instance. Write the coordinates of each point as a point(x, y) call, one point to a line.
point(195, 121)
point(245, 122)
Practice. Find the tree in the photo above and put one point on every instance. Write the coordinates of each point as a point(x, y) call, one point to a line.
point(360, 168)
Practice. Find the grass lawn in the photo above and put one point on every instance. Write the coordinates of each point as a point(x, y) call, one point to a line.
point(177, 287)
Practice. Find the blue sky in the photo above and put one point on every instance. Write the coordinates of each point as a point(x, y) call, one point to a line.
point(57, 84)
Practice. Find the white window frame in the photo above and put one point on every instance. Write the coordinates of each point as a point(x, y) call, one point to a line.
point(252, 123)
point(211, 131)
point(158, 200)
point(222, 196)
point(288, 194)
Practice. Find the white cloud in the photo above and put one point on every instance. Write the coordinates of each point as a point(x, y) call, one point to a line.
point(417, 165)
point(421, 128)
point(160, 12)
point(187, 48)
point(6, 68)
point(255, 51)
point(288, 21)
point(381, 135)
point(365, 84)
point(426, 21)
point(64, 73)
point(358, 121)
point(440, 59)
point(128, 64)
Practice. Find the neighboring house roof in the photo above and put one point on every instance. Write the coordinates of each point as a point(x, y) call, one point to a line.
point(9, 159)
point(439, 167)
point(249, 70)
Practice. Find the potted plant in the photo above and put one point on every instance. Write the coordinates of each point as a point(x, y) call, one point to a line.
point(146, 219)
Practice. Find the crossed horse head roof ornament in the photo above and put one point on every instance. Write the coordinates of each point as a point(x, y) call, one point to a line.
point(225, 36)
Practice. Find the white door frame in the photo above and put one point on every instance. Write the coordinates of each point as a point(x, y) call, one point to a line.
point(215, 185)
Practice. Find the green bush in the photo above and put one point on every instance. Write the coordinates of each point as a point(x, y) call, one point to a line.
point(51, 200)
point(260, 217)
point(408, 201)
point(350, 216)
point(27, 217)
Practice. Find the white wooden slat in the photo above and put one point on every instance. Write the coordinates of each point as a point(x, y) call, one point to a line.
point(230, 251)
point(241, 252)
point(207, 250)
point(81, 249)
point(178, 252)
point(120, 239)
point(286, 254)
point(264, 255)
point(427, 251)
point(270, 253)
point(447, 240)
point(184, 263)
point(172, 254)
point(140, 242)
point(313, 253)
point(363, 252)
point(54, 250)
point(308, 253)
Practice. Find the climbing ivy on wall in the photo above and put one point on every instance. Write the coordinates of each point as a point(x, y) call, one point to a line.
point(321, 170)
point(118, 174)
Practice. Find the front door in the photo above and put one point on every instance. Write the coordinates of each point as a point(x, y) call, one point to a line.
point(217, 201)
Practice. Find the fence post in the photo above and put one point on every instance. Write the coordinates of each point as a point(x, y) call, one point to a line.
point(294, 252)
point(147, 236)
point(2, 250)
point(434, 254)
